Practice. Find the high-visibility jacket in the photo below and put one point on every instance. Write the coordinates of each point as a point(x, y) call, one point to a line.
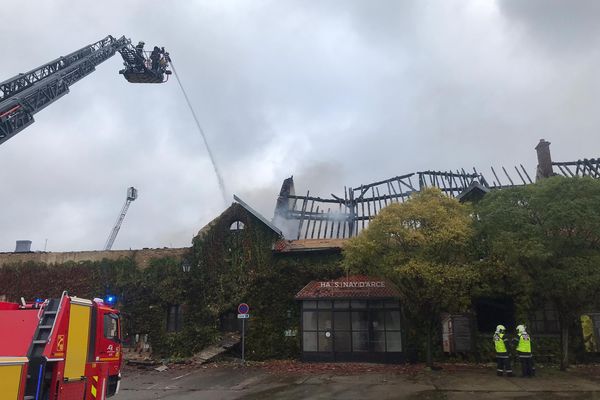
point(524, 345)
point(499, 343)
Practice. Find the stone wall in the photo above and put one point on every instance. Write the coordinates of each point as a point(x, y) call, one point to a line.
point(140, 257)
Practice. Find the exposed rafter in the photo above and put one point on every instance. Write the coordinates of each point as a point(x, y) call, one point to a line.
point(339, 217)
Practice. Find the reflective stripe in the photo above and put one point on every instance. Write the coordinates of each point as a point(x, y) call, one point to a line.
point(524, 345)
point(80, 301)
point(13, 360)
point(94, 384)
point(499, 344)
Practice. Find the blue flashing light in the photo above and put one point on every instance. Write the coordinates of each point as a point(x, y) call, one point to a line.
point(110, 299)
point(38, 300)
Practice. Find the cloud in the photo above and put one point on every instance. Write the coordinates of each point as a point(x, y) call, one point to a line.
point(557, 26)
point(336, 93)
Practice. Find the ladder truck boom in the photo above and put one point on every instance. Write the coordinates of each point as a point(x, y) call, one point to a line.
point(132, 194)
point(25, 94)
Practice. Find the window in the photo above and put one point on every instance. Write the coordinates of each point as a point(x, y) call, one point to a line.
point(309, 321)
point(341, 320)
point(111, 326)
point(341, 304)
point(237, 226)
point(544, 320)
point(309, 304)
point(175, 318)
point(309, 341)
point(324, 303)
point(324, 320)
point(358, 326)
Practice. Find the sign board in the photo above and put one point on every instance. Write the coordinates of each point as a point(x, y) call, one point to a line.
point(352, 285)
point(243, 316)
point(243, 308)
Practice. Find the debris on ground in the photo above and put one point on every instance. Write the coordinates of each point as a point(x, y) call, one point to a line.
point(295, 367)
point(589, 370)
point(142, 363)
point(161, 368)
point(225, 344)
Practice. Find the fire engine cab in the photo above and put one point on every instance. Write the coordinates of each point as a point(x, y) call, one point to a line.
point(59, 349)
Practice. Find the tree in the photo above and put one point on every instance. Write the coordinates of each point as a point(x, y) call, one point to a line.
point(551, 232)
point(423, 246)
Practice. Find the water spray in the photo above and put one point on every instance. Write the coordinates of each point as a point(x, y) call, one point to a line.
point(210, 154)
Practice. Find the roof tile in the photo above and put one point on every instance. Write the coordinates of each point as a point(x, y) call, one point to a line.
point(354, 286)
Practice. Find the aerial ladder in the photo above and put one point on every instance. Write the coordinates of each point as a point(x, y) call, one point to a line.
point(25, 94)
point(131, 196)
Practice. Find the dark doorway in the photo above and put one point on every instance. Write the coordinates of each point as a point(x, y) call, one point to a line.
point(229, 322)
point(493, 311)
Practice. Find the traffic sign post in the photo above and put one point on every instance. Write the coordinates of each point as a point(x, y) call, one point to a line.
point(243, 309)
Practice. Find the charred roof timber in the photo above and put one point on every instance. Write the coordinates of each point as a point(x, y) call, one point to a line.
point(340, 217)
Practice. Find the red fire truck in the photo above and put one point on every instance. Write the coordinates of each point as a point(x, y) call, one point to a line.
point(59, 349)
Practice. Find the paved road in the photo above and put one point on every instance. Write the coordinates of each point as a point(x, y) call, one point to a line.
point(228, 382)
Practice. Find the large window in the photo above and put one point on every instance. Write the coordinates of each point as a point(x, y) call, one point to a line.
point(544, 320)
point(175, 318)
point(344, 326)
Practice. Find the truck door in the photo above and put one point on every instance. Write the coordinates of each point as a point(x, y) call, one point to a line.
point(108, 350)
point(109, 342)
point(78, 336)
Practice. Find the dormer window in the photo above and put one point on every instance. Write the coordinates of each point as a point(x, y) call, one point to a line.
point(237, 226)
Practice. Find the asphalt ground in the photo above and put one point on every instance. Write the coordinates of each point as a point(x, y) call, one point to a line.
point(290, 381)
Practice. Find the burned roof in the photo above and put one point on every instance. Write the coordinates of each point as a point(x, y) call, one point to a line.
point(345, 216)
point(292, 246)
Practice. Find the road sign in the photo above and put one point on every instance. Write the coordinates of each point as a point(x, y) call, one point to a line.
point(243, 308)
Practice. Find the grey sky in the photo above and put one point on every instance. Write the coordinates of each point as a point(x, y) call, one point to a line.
point(334, 92)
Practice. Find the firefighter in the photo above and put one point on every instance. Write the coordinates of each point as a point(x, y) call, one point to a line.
point(139, 49)
point(524, 352)
point(155, 57)
point(502, 356)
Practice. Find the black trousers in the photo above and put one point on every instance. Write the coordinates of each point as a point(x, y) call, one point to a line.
point(503, 363)
point(527, 368)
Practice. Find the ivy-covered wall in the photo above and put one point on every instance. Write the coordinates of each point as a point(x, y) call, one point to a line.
point(234, 266)
point(227, 267)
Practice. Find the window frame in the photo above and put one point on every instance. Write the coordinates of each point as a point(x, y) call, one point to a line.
point(370, 307)
point(112, 317)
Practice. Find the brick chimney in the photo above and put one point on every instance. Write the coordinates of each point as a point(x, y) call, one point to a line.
point(544, 168)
